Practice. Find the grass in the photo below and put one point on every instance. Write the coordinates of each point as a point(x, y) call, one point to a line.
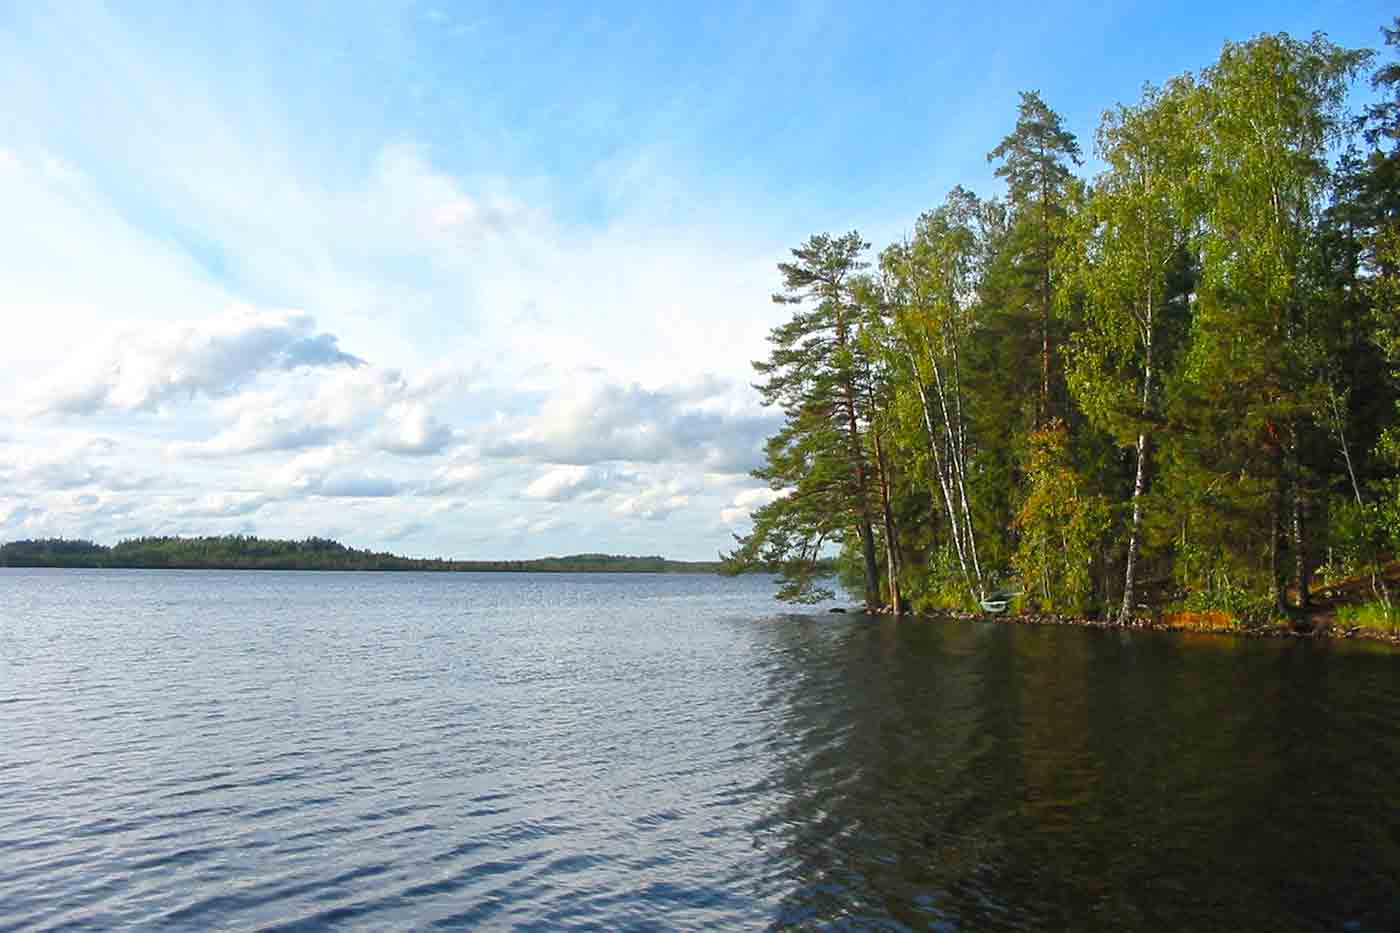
point(1371, 615)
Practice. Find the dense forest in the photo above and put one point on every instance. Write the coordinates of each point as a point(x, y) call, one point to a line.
point(1169, 385)
point(240, 552)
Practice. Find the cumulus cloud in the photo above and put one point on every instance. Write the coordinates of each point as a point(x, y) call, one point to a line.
point(411, 430)
point(214, 357)
point(744, 504)
point(66, 514)
point(75, 464)
point(388, 255)
point(19, 516)
point(460, 476)
point(646, 491)
point(334, 472)
point(607, 422)
point(331, 407)
point(257, 430)
point(226, 505)
point(522, 525)
point(357, 485)
point(405, 530)
point(571, 481)
point(652, 504)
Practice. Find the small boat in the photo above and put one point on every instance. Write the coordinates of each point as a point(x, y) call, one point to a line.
point(997, 603)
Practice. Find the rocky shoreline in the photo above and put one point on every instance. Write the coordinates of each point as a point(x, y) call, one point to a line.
point(1325, 630)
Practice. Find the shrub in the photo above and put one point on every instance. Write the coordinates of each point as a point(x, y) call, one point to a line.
point(1373, 615)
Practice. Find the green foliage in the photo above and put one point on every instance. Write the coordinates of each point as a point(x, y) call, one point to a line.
point(1234, 602)
point(818, 374)
point(1061, 528)
point(1376, 616)
point(51, 552)
point(241, 552)
point(939, 585)
point(1355, 535)
point(1037, 160)
point(1036, 156)
point(1124, 248)
point(1174, 383)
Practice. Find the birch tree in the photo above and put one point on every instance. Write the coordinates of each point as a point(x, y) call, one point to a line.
point(929, 284)
point(1135, 227)
point(1273, 107)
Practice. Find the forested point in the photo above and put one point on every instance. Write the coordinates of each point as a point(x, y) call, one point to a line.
point(239, 552)
point(1167, 388)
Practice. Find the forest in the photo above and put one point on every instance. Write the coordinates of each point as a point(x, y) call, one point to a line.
point(245, 552)
point(1168, 385)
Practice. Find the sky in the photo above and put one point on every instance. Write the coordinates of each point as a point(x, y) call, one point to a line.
point(478, 280)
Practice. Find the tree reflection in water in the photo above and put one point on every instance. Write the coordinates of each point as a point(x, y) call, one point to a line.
point(974, 776)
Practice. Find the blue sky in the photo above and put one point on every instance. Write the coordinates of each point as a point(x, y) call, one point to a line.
point(479, 280)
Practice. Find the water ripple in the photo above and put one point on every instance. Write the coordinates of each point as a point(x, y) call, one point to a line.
point(299, 752)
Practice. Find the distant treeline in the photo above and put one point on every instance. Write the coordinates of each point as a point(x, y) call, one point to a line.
point(240, 552)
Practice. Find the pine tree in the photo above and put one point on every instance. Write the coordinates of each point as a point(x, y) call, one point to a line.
point(1035, 161)
point(814, 374)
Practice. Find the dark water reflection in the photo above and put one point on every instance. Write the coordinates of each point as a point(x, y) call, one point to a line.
point(186, 751)
point(990, 777)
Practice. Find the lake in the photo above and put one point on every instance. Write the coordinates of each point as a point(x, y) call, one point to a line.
point(187, 750)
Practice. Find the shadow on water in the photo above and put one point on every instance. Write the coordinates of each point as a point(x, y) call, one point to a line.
point(971, 776)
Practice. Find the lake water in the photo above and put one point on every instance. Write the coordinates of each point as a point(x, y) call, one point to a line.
point(189, 750)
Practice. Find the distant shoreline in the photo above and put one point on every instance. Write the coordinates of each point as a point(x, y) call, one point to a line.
point(698, 571)
point(237, 552)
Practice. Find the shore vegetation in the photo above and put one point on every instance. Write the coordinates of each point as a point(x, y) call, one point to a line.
point(1164, 387)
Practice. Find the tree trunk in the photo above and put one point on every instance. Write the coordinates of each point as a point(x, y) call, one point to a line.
point(961, 456)
point(872, 569)
point(1125, 614)
point(1276, 587)
point(891, 538)
point(957, 458)
point(1300, 551)
point(862, 491)
point(954, 531)
point(1046, 405)
point(1378, 587)
point(1139, 481)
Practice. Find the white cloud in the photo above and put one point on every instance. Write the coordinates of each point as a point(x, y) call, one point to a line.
point(226, 505)
point(81, 463)
point(462, 475)
point(744, 503)
point(534, 526)
point(213, 357)
point(334, 472)
point(357, 484)
point(652, 505)
point(571, 481)
point(606, 422)
point(410, 429)
point(435, 308)
point(18, 518)
point(335, 406)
